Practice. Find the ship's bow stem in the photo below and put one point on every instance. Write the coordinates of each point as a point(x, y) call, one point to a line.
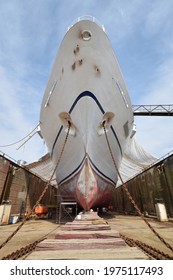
point(87, 188)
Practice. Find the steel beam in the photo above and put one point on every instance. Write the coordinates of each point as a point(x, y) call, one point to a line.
point(153, 110)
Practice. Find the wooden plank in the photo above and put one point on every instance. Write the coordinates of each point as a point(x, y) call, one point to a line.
point(93, 222)
point(86, 234)
point(122, 253)
point(75, 244)
point(89, 238)
point(79, 223)
point(85, 227)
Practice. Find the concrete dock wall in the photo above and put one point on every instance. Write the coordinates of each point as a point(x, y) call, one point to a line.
point(22, 188)
point(152, 186)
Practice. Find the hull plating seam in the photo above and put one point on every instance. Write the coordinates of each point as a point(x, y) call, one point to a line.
point(72, 173)
point(78, 169)
point(84, 94)
point(101, 173)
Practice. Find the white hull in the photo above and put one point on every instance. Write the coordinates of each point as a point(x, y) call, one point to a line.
point(86, 86)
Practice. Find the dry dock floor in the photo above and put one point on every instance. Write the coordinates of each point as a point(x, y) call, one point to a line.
point(130, 226)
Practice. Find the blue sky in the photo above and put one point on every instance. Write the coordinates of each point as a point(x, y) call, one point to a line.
point(141, 33)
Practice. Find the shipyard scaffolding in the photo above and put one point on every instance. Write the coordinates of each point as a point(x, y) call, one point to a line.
point(66, 208)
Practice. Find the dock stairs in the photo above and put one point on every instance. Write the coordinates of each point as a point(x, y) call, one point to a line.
point(87, 237)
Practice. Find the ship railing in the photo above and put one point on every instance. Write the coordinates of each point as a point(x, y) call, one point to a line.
point(87, 17)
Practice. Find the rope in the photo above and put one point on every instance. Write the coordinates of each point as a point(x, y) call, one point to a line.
point(28, 135)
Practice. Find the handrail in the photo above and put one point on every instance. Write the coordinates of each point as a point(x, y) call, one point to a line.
point(87, 17)
point(153, 110)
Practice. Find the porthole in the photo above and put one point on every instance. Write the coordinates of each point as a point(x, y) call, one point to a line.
point(86, 35)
